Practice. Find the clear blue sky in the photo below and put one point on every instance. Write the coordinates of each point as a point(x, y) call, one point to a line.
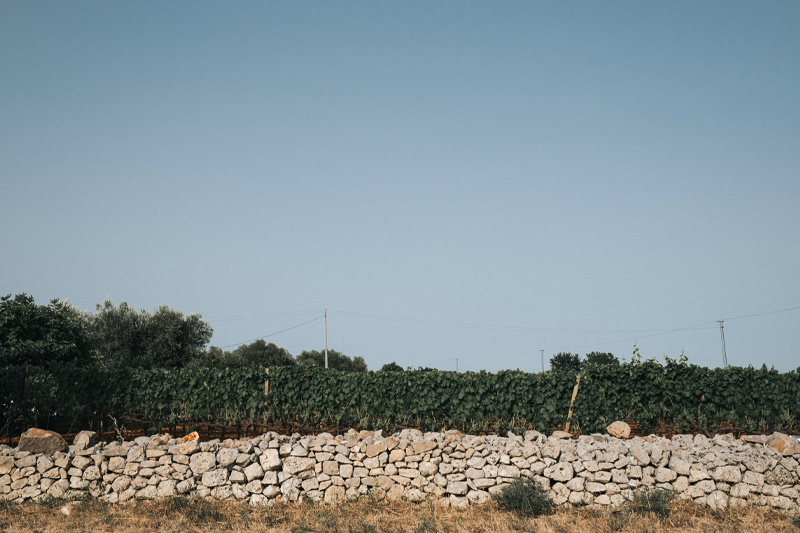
point(591, 173)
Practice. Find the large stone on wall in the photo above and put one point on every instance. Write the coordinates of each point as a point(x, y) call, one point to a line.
point(784, 444)
point(202, 462)
point(83, 440)
point(42, 441)
point(6, 465)
point(619, 429)
point(270, 460)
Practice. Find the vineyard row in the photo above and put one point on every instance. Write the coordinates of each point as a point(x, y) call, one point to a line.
point(686, 397)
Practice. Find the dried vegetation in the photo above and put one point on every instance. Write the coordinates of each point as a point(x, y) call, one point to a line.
point(364, 516)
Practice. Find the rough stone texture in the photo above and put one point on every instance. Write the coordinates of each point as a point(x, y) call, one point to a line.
point(41, 441)
point(84, 439)
point(784, 444)
point(619, 429)
point(6, 465)
point(270, 460)
point(451, 468)
point(202, 462)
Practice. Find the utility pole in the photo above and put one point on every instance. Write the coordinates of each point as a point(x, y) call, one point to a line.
point(456, 365)
point(326, 338)
point(722, 336)
point(542, 360)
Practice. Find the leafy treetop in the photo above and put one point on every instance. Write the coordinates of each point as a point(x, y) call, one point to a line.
point(336, 360)
point(565, 362)
point(33, 334)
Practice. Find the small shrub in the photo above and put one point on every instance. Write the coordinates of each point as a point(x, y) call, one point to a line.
point(524, 496)
point(654, 501)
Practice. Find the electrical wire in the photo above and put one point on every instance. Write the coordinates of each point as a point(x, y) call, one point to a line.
point(476, 326)
point(224, 318)
point(765, 313)
point(272, 334)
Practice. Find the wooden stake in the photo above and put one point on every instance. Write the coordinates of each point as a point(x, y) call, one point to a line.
point(266, 387)
point(574, 394)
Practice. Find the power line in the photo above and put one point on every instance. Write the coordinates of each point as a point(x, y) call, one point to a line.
point(261, 315)
point(765, 313)
point(272, 334)
point(704, 325)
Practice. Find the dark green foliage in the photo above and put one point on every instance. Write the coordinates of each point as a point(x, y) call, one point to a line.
point(165, 338)
point(37, 335)
point(647, 500)
point(565, 362)
point(336, 360)
point(391, 367)
point(601, 358)
point(524, 496)
point(257, 353)
point(690, 397)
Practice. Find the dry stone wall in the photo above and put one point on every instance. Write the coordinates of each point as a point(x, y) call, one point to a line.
point(451, 468)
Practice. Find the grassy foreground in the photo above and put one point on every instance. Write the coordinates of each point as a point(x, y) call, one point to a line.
point(365, 516)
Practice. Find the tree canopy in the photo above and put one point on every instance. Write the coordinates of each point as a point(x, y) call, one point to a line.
point(336, 360)
point(165, 338)
point(565, 362)
point(391, 367)
point(257, 353)
point(601, 358)
point(35, 335)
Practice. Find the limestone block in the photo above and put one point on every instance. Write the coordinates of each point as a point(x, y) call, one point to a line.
point(728, 474)
point(396, 455)
point(423, 446)
point(81, 462)
point(753, 478)
point(478, 497)
point(41, 441)
point(135, 454)
point(511, 471)
point(226, 457)
point(664, 475)
point(717, 500)
point(641, 456)
point(43, 464)
point(214, 478)
point(558, 472)
point(619, 429)
point(427, 468)
point(679, 466)
point(334, 494)
point(254, 471)
point(457, 487)
point(222, 492)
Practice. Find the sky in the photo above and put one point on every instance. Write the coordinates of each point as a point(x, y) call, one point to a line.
point(460, 184)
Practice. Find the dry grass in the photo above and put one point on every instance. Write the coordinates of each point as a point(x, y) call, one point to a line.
point(364, 516)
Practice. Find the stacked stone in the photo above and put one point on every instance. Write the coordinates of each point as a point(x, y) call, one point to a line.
point(451, 468)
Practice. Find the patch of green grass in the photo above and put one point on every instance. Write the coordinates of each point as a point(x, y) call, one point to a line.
point(524, 496)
